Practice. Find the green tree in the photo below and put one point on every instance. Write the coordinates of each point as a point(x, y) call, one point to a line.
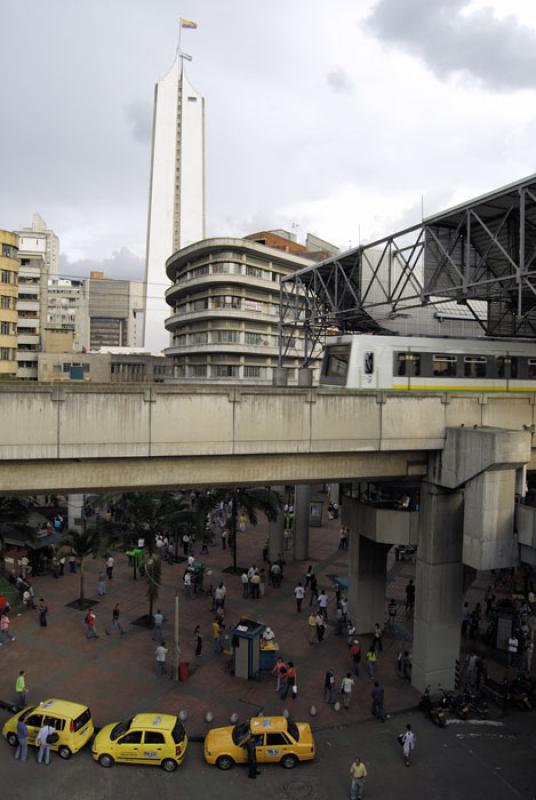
point(153, 576)
point(249, 502)
point(85, 544)
point(148, 513)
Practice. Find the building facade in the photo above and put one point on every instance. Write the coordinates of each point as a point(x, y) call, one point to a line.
point(176, 213)
point(40, 240)
point(115, 312)
point(9, 269)
point(32, 307)
point(105, 367)
point(68, 312)
point(224, 324)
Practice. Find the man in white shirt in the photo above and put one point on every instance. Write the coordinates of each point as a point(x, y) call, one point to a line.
point(44, 746)
point(109, 567)
point(158, 620)
point(161, 654)
point(347, 684)
point(219, 595)
point(323, 603)
point(408, 744)
point(299, 594)
point(245, 581)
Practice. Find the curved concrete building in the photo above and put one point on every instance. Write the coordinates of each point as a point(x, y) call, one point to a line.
point(225, 311)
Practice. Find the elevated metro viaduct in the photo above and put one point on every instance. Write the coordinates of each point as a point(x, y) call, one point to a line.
point(469, 450)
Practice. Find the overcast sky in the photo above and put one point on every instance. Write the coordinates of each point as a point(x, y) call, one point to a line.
point(332, 117)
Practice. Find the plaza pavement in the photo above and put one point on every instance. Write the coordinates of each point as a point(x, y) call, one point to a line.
point(115, 675)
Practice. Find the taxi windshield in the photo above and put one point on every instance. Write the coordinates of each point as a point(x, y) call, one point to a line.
point(240, 732)
point(121, 727)
point(293, 730)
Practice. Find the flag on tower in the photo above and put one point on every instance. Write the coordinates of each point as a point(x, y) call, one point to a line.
point(186, 23)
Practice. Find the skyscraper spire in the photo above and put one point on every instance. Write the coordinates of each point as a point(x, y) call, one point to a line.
point(176, 214)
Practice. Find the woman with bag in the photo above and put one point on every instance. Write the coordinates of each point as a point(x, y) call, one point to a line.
point(291, 683)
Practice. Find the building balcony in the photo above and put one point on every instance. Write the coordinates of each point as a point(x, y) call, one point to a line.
point(178, 320)
point(27, 373)
point(27, 305)
point(234, 348)
point(27, 355)
point(28, 338)
point(28, 323)
point(30, 288)
point(224, 279)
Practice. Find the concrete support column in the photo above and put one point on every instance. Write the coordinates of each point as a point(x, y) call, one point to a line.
point(367, 572)
point(75, 504)
point(439, 588)
point(276, 530)
point(280, 376)
point(302, 499)
point(335, 494)
point(305, 376)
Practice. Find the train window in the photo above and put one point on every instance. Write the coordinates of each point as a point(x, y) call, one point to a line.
point(475, 366)
point(531, 372)
point(336, 365)
point(444, 365)
point(401, 364)
point(369, 363)
point(506, 366)
point(408, 364)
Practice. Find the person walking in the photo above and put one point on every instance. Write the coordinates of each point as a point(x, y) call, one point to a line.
point(158, 621)
point(101, 585)
point(372, 658)
point(311, 624)
point(299, 594)
point(513, 647)
point(410, 597)
point(116, 621)
point(308, 575)
point(279, 670)
point(358, 773)
point(42, 610)
point(320, 626)
point(378, 636)
point(21, 753)
point(350, 633)
point(313, 583)
point(72, 564)
point(161, 655)
point(347, 684)
point(198, 641)
point(291, 683)
point(62, 566)
point(251, 749)
point(42, 739)
point(377, 695)
point(21, 690)
point(355, 653)
point(91, 629)
point(219, 595)
point(110, 567)
point(245, 584)
point(323, 604)
point(216, 637)
point(407, 740)
point(391, 614)
point(5, 635)
point(329, 687)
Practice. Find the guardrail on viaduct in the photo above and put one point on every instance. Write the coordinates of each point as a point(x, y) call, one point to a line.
point(81, 423)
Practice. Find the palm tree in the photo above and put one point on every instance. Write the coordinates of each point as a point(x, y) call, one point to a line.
point(153, 574)
point(249, 502)
point(149, 513)
point(85, 543)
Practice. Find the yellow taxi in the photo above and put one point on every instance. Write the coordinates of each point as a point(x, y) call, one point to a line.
point(71, 721)
point(145, 739)
point(277, 739)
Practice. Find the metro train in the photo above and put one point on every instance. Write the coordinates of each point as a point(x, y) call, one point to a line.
point(407, 363)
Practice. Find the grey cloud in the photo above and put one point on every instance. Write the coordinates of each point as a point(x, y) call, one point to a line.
point(139, 119)
point(498, 53)
point(123, 263)
point(339, 81)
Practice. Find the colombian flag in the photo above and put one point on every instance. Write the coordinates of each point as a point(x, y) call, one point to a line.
point(186, 23)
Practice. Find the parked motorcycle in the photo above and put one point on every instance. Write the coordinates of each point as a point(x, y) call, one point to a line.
point(455, 703)
point(432, 710)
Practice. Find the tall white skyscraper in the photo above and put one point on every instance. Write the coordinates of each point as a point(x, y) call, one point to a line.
point(177, 190)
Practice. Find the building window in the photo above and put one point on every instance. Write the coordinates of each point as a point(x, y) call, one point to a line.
point(198, 371)
point(6, 276)
point(225, 337)
point(225, 371)
point(225, 301)
point(226, 268)
point(8, 251)
point(253, 372)
point(200, 305)
point(253, 338)
point(254, 305)
point(255, 272)
point(7, 329)
point(5, 302)
point(199, 338)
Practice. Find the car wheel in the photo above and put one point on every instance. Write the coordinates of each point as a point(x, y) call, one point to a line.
point(64, 752)
point(106, 760)
point(289, 761)
point(169, 765)
point(225, 762)
point(12, 739)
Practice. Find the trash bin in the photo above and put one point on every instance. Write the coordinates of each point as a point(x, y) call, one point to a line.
point(184, 670)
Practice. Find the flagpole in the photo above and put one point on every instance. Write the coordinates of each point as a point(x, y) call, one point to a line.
point(180, 32)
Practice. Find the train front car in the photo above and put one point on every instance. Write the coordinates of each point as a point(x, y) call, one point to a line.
point(424, 364)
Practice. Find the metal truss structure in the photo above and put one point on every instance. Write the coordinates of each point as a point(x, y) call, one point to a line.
point(484, 250)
